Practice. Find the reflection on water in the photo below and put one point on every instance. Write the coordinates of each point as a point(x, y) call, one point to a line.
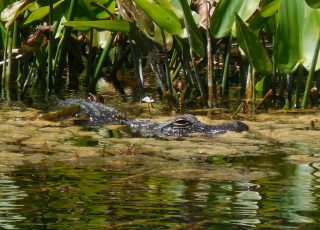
point(247, 204)
point(295, 199)
point(79, 197)
point(10, 194)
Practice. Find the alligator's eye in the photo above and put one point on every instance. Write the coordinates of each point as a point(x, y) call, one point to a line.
point(181, 122)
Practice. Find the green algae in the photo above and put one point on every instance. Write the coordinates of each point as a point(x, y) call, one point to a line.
point(26, 139)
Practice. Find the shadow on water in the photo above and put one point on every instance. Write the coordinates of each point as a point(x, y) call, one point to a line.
point(90, 195)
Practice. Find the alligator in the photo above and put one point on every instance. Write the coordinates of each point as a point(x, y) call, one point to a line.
point(181, 126)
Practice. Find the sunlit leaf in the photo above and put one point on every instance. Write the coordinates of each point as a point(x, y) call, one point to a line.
point(223, 18)
point(111, 25)
point(253, 49)
point(265, 13)
point(296, 36)
point(162, 37)
point(311, 32)
point(270, 9)
point(196, 40)
point(11, 12)
point(163, 17)
point(263, 84)
point(191, 30)
point(288, 38)
point(40, 13)
point(8, 13)
point(174, 6)
point(60, 28)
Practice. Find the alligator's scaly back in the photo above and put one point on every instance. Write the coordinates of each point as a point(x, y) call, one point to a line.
point(96, 112)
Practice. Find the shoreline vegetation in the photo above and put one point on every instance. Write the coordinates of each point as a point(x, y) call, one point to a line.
point(197, 51)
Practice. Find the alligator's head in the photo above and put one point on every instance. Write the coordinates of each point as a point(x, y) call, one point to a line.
point(181, 126)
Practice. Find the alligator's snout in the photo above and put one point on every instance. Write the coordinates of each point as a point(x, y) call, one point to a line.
point(240, 126)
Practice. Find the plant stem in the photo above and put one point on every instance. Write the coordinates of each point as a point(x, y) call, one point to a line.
point(210, 62)
point(103, 57)
point(138, 69)
point(226, 67)
point(115, 68)
point(199, 82)
point(289, 89)
point(311, 75)
point(91, 55)
point(166, 65)
point(187, 71)
point(298, 87)
point(50, 46)
point(9, 71)
point(62, 47)
point(176, 72)
point(173, 58)
point(5, 54)
point(12, 65)
point(249, 83)
point(253, 76)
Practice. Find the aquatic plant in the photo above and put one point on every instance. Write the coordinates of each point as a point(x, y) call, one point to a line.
point(197, 50)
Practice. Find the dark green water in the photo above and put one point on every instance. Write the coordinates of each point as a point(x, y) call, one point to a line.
point(82, 196)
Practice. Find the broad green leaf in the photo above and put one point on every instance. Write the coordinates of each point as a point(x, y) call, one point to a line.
point(289, 35)
point(42, 3)
point(296, 36)
point(40, 13)
point(163, 17)
point(270, 9)
point(265, 13)
point(313, 3)
point(263, 84)
point(85, 11)
point(195, 37)
point(111, 25)
point(2, 28)
point(2, 36)
point(191, 30)
point(253, 49)
point(223, 18)
point(259, 85)
point(173, 5)
point(151, 30)
point(311, 33)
